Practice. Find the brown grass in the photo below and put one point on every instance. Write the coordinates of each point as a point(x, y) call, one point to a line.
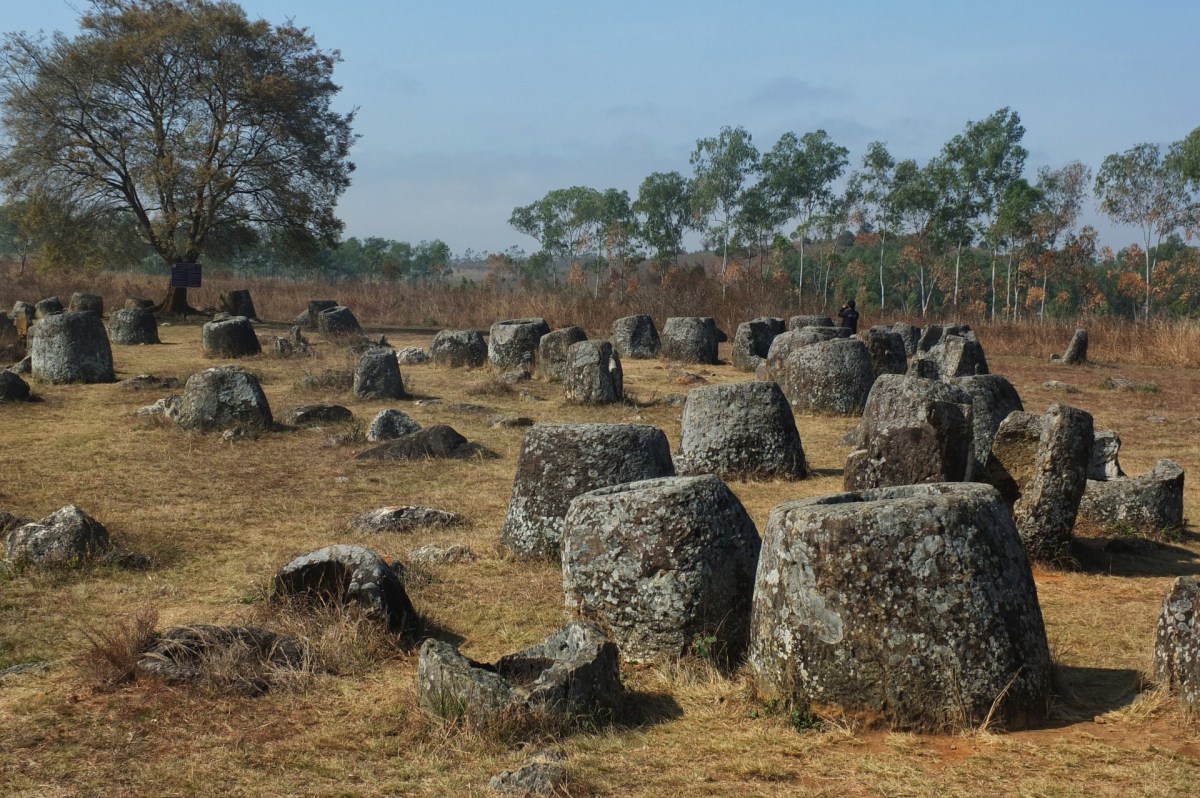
point(389, 307)
point(219, 518)
point(112, 652)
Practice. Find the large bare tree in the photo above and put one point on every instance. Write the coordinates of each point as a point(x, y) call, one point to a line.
point(185, 117)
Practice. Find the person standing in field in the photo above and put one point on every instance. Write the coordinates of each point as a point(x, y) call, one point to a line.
point(849, 316)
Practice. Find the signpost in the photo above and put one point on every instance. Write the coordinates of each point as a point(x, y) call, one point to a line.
point(185, 275)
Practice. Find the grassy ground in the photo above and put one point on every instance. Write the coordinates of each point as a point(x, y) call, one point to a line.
point(218, 518)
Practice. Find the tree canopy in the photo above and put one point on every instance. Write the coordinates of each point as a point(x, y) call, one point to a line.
point(183, 119)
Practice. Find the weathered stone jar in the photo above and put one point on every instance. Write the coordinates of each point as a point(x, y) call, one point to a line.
point(514, 342)
point(133, 326)
point(690, 339)
point(458, 349)
point(913, 604)
point(593, 374)
point(663, 566)
point(71, 347)
point(636, 337)
point(913, 430)
point(741, 429)
point(560, 461)
point(230, 337)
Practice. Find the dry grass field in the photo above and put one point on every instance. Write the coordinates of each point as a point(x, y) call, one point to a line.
point(217, 518)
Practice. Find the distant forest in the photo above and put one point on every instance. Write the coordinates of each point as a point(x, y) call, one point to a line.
point(964, 232)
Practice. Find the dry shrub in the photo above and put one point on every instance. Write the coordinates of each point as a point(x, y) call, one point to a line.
point(342, 640)
point(112, 653)
point(489, 386)
point(230, 660)
point(507, 728)
point(326, 380)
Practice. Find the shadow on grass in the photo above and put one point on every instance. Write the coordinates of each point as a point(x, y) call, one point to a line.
point(1080, 694)
point(642, 708)
point(1134, 556)
point(431, 628)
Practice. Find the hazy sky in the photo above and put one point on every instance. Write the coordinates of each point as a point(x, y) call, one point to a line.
point(468, 109)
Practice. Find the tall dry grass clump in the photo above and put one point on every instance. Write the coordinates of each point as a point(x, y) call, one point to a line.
point(112, 652)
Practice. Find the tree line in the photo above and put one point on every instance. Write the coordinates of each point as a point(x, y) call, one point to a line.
point(965, 230)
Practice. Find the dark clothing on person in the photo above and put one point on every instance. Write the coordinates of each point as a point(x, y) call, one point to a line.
point(849, 317)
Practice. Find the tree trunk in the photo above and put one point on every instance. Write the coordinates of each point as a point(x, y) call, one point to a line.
point(993, 283)
point(176, 304)
point(1149, 268)
point(882, 241)
point(800, 282)
point(957, 262)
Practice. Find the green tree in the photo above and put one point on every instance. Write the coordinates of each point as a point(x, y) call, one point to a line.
point(916, 197)
point(988, 157)
point(17, 240)
point(755, 224)
point(722, 165)
point(869, 196)
point(1015, 218)
point(799, 174)
point(1140, 187)
point(664, 205)
point(565, 222)
point(1187, 157)
point(1062, 191)
point(185, 114)
point(616, 226)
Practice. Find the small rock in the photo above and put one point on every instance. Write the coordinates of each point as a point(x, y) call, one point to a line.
point(391, 424)
point(23, 669)
point(149, 382)
point(437, 555)
point(542, 774)
point(510, 422)
point(681, 377)
point(238, 658)
point(514, 375)
point(67, 537)
point(467, 407)
point(319, 414)
point(1123, 384)
point(412, 356)
point(1059, 385)
point(438, 441)
point(13, 388)
point(403, 519)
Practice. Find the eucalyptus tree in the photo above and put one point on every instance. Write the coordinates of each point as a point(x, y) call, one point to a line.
point(1062, 191)
point(869, 195)
point(722, 165)
point(799, 174)
point(664, 209)
point(617, 227)
point(1141, 187)
point(1015, 226)
point(988, 157)
point(565, 222)
point(916, 198)
point(184, 117)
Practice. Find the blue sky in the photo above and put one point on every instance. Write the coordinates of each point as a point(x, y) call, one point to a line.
point(468, 109)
